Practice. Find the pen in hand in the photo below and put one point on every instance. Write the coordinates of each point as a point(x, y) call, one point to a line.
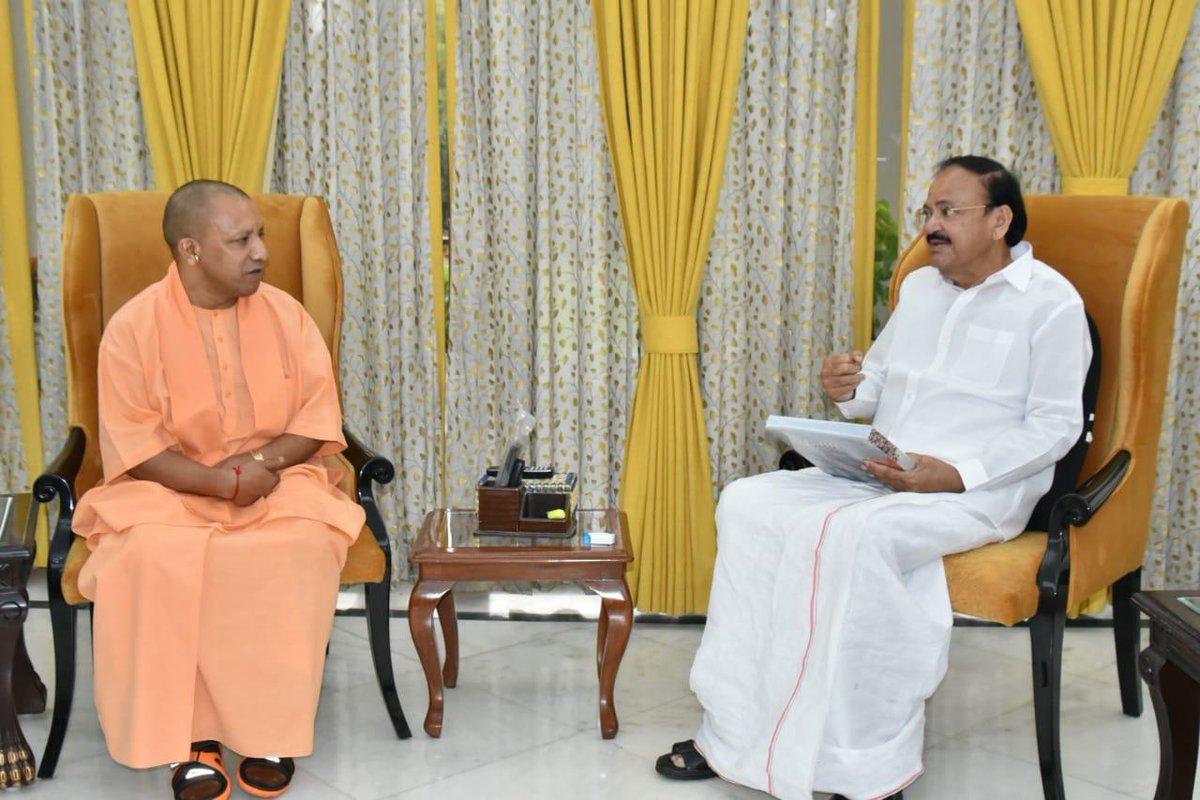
point(841, 373)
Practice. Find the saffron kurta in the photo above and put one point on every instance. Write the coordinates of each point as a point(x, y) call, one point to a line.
point(829, 621)
point(211, 619)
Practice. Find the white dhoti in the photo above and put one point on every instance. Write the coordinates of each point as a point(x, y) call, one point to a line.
point(828, 627)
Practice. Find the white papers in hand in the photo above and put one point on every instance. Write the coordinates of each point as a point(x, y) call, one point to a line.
point(837, 448)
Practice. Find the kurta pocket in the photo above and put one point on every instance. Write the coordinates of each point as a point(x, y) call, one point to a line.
point(983, 355)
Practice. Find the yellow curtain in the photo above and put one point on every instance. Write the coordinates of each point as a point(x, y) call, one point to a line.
point(14, 258)
point(866, 133)
point(433, 132)
point(669, 74)
point(209, 75)
point(1102, 70)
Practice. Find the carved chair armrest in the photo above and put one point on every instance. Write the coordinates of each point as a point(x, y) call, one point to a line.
point(1075, 509)
point(59, 480)
point(369, 467)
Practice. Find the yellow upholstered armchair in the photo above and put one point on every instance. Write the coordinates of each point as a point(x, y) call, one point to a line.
point(1123, 256)
point(113, 249)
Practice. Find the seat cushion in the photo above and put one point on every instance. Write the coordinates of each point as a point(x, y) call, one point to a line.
point(997, 582)
point(70, 582)
point(364, 560)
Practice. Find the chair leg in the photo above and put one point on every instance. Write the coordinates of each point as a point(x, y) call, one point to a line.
point(1046, 638)
point(62, 623)
point(378, 598)
point(1127, 637)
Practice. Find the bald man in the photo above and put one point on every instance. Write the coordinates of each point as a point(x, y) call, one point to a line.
point(217, 534)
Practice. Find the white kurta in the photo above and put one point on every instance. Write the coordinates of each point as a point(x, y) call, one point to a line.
point(829, 620)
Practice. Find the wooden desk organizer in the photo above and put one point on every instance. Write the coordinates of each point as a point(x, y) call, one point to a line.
point(516, 511)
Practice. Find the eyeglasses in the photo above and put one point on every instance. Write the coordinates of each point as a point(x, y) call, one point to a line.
point(923, 214)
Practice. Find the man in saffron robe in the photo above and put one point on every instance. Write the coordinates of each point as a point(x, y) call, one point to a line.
point(217, 535)
point(829, 621)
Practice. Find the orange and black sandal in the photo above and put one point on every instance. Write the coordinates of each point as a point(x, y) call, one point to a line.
point(266, 777)
point(204, 777)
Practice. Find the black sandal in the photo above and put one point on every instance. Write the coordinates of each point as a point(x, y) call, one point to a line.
point(694, 766)
point(202, 778)
point(266, 777)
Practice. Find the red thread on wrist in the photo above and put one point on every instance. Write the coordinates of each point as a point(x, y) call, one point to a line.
point(237, 483)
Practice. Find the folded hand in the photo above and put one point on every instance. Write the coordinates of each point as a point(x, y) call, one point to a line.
point(257, 479)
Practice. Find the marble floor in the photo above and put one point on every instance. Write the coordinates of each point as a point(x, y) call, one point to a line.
point(523, 721)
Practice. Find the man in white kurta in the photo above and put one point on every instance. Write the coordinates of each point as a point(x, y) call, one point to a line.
point(829, 621)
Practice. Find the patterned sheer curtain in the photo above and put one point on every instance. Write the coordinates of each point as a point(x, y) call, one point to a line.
point(88, 137)
point(14, 475)
point(1170, 165)
point(542, 314)
point(352, 129)
point(972, 91)
point(778, 293)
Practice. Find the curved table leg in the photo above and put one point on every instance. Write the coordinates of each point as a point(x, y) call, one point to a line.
point(425, 597)
point(448, 617)
point(1176, 700)
point(601, 637)
point(17, 765)
point(616, 615)
point(29, 693)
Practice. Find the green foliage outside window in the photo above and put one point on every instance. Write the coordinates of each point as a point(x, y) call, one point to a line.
point(887, 250)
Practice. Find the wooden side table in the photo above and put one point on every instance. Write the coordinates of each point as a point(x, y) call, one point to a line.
point(448, 551)
point(21, 690)
point(1171, 668)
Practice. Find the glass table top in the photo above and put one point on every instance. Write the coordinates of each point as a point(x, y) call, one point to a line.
point(17, 524)
point(460, 531)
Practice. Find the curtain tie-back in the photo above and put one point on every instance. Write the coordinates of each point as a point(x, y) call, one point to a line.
point(1111, 187)
point(664, 334)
